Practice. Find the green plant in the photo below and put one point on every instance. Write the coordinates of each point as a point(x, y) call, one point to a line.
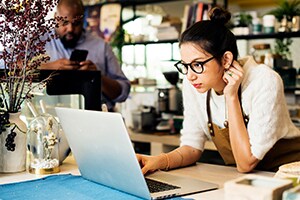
point(117, 42)
point(286, 8)
point(245, 19)
point(282, 48)
point(241, 19)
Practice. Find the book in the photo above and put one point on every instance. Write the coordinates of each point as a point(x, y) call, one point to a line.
point(199, 11)
point(185, 17)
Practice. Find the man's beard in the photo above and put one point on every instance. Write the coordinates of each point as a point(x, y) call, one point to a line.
point(69, 43)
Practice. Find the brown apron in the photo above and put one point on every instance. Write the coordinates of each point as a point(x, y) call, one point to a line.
point(284, 151)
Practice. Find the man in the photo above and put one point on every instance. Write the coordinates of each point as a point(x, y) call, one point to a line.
point(115, 85)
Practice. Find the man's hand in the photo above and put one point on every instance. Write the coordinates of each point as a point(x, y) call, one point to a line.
point(66, 64)
point(87, 65)
point(60, 64)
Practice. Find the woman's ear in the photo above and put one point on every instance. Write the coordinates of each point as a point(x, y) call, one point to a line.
point(227, 59)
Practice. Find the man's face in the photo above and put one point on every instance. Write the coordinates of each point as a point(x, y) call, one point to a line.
point(70, 28)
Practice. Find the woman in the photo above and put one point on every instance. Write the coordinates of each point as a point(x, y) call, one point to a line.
point(239, 105)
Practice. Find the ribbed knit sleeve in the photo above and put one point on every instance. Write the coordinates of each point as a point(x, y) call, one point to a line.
point(192, 133)
point(269, 116)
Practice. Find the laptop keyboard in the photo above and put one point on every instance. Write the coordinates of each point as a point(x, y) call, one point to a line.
point(157, 186)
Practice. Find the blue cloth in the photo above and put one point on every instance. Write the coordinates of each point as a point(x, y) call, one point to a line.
point(101, 54)
point(61, 187)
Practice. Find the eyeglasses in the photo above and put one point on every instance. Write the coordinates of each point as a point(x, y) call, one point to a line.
point(77, 21)
point(196, 66)
point(74, 23)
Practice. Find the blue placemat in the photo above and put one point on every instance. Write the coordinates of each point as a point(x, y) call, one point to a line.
point(62, 187)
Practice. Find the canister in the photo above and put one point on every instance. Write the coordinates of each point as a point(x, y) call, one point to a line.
point(256, 25)
point(269, 23)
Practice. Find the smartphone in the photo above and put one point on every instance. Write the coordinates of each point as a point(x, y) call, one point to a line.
point(79, 55)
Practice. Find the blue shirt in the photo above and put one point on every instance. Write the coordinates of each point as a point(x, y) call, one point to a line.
point(101, 54)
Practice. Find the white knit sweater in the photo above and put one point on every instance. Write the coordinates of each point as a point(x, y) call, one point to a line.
point(262, 99)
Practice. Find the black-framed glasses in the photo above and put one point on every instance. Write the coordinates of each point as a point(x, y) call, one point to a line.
point(196, 66)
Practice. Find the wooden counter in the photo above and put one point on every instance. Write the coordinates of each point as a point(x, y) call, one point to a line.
point(212, 173)
point(162, 141)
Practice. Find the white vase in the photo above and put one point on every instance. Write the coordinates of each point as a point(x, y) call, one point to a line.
point(13, 161)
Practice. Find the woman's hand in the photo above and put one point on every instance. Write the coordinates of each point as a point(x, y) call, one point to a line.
point(151, 163)
point(233, 77)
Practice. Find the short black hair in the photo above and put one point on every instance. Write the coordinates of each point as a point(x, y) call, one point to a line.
point(76, 4)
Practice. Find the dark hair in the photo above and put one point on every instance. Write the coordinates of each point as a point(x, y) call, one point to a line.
point(212, 35)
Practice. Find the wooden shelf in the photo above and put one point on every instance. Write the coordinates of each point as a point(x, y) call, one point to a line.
point(125, 3)
point(238, 37)
point(270, 36)
point(152, 42)
point(291, 88)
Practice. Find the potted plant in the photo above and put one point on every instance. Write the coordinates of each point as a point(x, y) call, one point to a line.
point(286, 8)
point(24, 31)
point(282, 53)
point(282, 63)
point(282, 48)
point(242, 22)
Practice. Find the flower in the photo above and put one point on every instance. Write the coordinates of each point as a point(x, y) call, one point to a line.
point(24, 31)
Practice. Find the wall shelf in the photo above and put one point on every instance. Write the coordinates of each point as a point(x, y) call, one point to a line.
point(238, 37)
point(269, 36)
point(125, 3)
point(152, 42)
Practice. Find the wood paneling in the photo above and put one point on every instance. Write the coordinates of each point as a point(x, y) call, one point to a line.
point(253, 3)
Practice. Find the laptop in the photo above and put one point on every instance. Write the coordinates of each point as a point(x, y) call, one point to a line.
point(104, 154)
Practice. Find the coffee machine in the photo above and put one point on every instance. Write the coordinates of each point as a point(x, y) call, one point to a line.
point(169, 101)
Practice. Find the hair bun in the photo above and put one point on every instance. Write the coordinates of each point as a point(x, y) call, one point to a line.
point(220, 15)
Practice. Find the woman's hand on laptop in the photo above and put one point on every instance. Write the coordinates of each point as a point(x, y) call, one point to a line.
point(150, 164)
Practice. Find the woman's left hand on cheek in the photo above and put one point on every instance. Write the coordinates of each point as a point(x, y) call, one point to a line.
point(233, 76)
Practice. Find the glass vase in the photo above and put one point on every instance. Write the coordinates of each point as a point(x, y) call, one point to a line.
point(13, 145)
point(42, 144)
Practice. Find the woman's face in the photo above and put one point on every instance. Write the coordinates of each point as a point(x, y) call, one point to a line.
point(212, 74)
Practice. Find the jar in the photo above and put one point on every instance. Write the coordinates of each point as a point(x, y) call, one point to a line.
point(262, 54)
point(269, 23)
point(42, 144)
point(256, 26)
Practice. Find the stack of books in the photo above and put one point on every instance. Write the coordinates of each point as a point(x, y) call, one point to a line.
point(194, 13)
point(166, 31)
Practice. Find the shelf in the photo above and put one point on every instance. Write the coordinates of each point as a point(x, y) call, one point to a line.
point(125, 3)
point(152, 42)
point(270, 36)
point(238, 37)
point(292, 89)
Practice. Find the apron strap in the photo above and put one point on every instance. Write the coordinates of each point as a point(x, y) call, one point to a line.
point(209, 123)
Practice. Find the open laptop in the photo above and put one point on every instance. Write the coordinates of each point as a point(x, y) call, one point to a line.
point(104, 154)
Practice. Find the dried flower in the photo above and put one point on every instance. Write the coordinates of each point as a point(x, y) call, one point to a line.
point(24, 31)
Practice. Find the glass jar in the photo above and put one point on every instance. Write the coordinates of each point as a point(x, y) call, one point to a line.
point(262, 54)
point(42, 144)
